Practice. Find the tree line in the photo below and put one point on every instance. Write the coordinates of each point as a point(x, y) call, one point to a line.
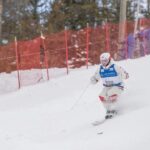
point(26, 19)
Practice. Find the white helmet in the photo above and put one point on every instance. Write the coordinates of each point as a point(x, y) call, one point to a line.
point(105, 59)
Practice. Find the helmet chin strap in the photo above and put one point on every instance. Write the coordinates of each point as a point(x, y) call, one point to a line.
point(108, 63)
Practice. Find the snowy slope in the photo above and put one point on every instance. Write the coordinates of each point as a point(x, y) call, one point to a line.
point(58, 115)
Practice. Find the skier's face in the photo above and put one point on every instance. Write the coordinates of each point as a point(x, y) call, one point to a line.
point(105, 62)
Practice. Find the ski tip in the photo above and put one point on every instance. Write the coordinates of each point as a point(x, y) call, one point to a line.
point(96, 123)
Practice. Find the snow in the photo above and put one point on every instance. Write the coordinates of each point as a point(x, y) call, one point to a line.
point(58, 115)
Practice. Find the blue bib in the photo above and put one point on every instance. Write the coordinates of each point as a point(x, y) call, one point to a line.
point(108, 72)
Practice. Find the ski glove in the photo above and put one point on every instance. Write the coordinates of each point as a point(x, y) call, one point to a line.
point(126, 75)
point(93, 80)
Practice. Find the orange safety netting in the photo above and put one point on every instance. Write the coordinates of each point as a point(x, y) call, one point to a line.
point(29, 63)
point(8, 82)
point(55, 47)
point(76, 41)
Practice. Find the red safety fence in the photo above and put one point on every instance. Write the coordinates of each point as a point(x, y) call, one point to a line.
point(76, 43)
point(97, 43)
point(55, 53)
point(30, 69)
point(29, 62)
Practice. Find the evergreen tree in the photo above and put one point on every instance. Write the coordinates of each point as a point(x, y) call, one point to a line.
point(75, 14)
point(109, 10)
point(146, 11)
point(22, 18)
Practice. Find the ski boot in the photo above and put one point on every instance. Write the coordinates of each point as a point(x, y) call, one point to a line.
point(110, 114)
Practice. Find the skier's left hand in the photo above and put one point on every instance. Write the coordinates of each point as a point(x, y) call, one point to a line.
point(127, 75)
point(93, 80)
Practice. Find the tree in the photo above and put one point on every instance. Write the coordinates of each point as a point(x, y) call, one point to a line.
point(22, 18)
point(146, 12)
point(109, 10)
point(75, 14)
point(1, 11)
point(148, 5)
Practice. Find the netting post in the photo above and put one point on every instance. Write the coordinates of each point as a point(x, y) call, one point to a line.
point(141, 22)
point(66, 45)
point(17, 63)
point(107, 37)
point(46, 57)
point(87, 45)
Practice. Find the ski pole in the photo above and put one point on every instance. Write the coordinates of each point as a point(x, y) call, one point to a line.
point(80, 96)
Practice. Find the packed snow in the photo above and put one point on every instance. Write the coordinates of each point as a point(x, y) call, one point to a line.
point(58, 115)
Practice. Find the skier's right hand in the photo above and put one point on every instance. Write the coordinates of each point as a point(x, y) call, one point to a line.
point(127, 75)
point(93, 80)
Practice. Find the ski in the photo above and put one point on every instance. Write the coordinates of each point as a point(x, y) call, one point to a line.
point(98, 122)
point(109, 115)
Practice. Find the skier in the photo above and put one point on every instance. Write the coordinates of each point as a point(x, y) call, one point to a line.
point(112, 77)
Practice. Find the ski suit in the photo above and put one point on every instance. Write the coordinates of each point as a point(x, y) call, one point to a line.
point(112, 78)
